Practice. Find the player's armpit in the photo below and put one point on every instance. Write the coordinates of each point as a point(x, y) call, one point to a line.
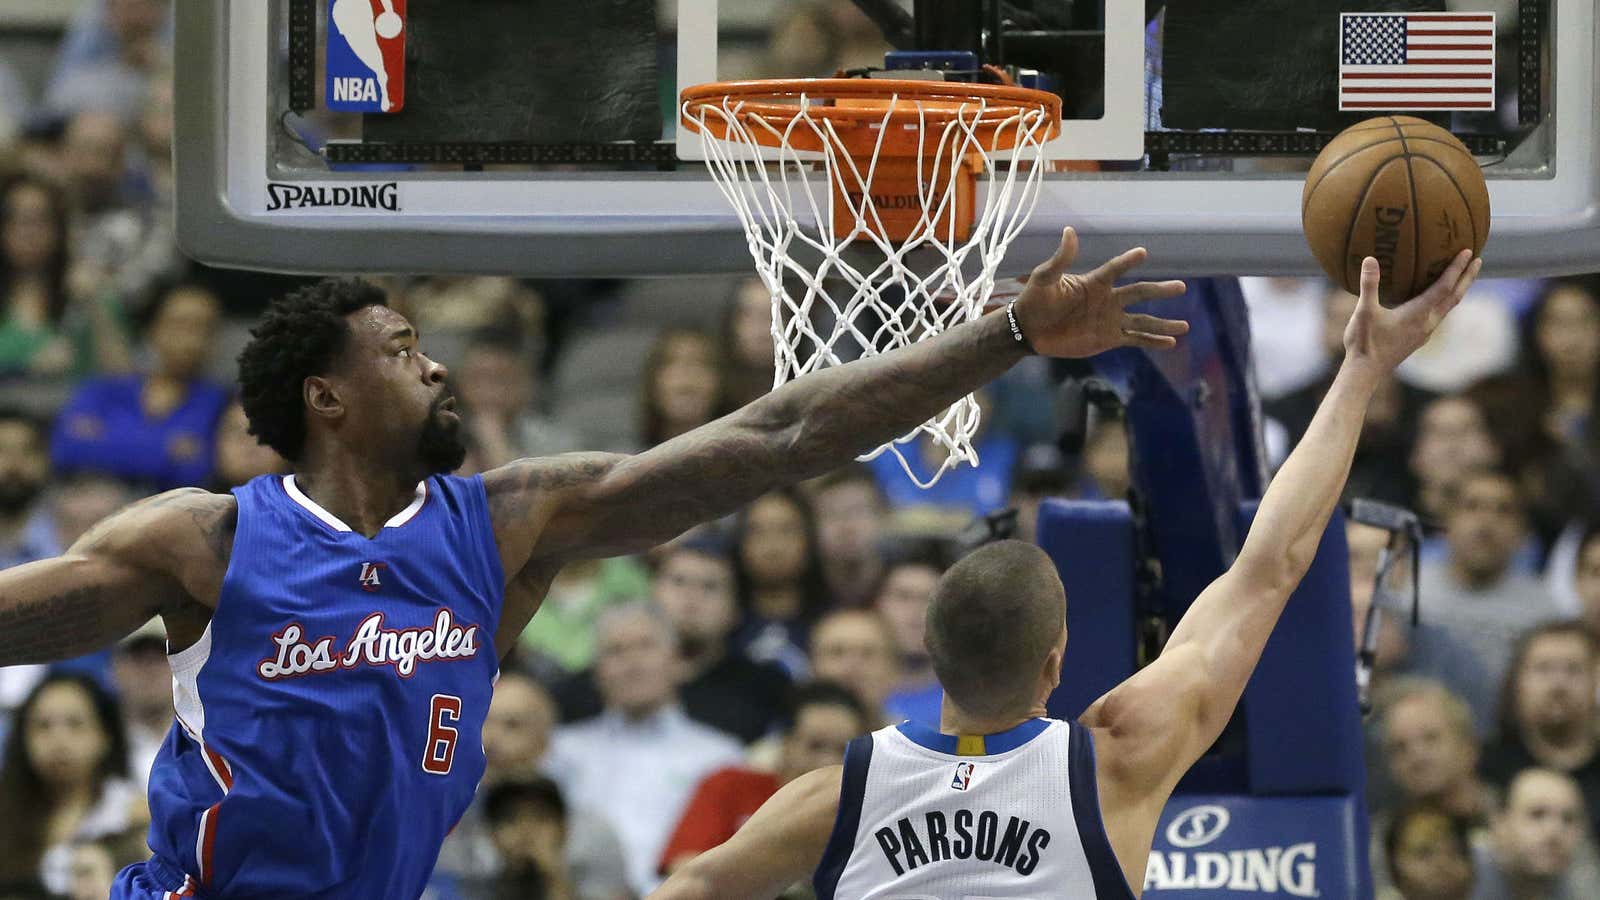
point(780, 845)
point(1150, 729)
point(153, 556)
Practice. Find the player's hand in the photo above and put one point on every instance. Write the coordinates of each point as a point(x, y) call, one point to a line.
point(1062, 314)
point(1381, 337)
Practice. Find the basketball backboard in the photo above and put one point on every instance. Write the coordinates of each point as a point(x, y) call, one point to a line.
point(542, 138)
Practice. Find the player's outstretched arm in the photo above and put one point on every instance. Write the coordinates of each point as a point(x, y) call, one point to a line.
point(145, 560)
point(779, 845)
point(1203, 669)
point(600, 504)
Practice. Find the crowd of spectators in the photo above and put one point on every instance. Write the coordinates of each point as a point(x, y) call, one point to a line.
point(656, 701)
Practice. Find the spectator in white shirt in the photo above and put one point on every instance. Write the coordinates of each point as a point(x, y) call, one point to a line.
point(639, 760)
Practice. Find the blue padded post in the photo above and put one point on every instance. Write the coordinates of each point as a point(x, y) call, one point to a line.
point(1091, 543)
point(1303, 721)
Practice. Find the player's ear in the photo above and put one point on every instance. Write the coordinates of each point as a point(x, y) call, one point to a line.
point(321, 398)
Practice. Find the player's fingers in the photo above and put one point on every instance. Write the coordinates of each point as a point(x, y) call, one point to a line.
point(1058, 264)
point(1369, 281)
point(1122, 264)
point(1465, 283)
point(1150, 290)
point(1148, 341)
point(1450, 279)
point(1138, 322)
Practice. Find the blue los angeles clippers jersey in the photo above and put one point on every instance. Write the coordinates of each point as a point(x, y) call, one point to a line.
point(329, 720)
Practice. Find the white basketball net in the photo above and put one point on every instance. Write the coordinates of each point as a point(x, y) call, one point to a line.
point(893, 299)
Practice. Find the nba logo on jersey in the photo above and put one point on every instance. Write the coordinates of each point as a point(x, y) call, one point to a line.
point(366, 55)
point(369, 575)
point(963, 779)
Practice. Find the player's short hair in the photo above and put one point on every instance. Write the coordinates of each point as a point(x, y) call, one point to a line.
point(300, 335)
point(993, 619)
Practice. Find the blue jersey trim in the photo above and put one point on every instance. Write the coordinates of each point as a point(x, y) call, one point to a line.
point(1109, 882)
point(852, 788)
point(983, 745)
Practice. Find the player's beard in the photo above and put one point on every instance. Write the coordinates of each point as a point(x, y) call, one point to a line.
point(440, 445)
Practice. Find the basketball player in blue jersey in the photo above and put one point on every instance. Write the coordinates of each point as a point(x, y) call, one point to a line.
point(1003, 802)
point(335, 633)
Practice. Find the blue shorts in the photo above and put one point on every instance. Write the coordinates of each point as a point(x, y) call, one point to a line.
point(153, 879)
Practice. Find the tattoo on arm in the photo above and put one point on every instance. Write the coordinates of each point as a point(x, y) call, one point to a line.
point(58, 626)
point(619, 504)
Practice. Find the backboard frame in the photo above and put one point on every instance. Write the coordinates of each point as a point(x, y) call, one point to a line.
point(660, 223)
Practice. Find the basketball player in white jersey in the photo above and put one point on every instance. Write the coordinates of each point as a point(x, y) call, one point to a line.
point(1003, 802)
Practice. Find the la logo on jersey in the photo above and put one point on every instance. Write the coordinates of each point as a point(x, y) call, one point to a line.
point(963, 779)
point(369, 575)
point(366, 55)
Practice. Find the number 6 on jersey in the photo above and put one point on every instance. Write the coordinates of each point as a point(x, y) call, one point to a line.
point(441, 751)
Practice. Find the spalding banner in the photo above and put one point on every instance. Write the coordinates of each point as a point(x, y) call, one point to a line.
point(1213, 847)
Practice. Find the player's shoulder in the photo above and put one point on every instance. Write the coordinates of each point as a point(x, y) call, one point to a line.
point(178, 522)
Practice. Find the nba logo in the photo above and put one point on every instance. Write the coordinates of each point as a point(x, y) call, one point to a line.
point(963, 779)
point(366, 55)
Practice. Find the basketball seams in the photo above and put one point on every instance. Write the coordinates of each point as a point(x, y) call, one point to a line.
point(1311, 189)
point(1416, 217)
point(1472, 221)
point(1355, 219)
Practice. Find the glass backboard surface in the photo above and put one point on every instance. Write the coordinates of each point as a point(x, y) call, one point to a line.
point(542, 138)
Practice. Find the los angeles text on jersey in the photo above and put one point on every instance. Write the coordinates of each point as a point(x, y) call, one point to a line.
point(371, 645)
point(1289, 870)
point(963, 835)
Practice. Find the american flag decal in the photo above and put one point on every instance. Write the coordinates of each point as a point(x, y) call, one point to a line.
point(1416, 61)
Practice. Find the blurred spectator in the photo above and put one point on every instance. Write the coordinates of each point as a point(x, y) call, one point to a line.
point(1588, 578)
point(1042, 474)
point(1375, 472)
point(497, 386)
point(143, 680)
point(1537, 834)
point(1286, 350)
point(1366, 544)
point(1548, 711)
point(64, 779)
point(1430, 751)
point(1453, 438)
point(239, 456)
point(109, 49)
point(855, 648)
point(820, 37)
point(723, 688)
point(156, 427)
point(1430, 856)
point(528, 822)
point(560, 639)
point(851, 516)
point(83, 499)
point(902, 601)
point(823, 717)
point(516, 736)
point(1561, 357)
point(14, 104)
point(95, 864)
point(961, 493)
point(1554, 491)
point(27, 528)
point(682, 385)
point(34, 253)
point(779, 579)
point(1474, 599)
point(747, 344)
point(643, 754)
point(1103, 466)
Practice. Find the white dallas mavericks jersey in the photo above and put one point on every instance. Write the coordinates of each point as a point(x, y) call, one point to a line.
point(926, 815)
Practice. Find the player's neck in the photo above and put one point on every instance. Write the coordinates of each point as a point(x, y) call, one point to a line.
point(954, 720)
point(362, 496)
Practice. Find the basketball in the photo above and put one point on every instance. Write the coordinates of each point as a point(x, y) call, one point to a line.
point(1399, 189)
